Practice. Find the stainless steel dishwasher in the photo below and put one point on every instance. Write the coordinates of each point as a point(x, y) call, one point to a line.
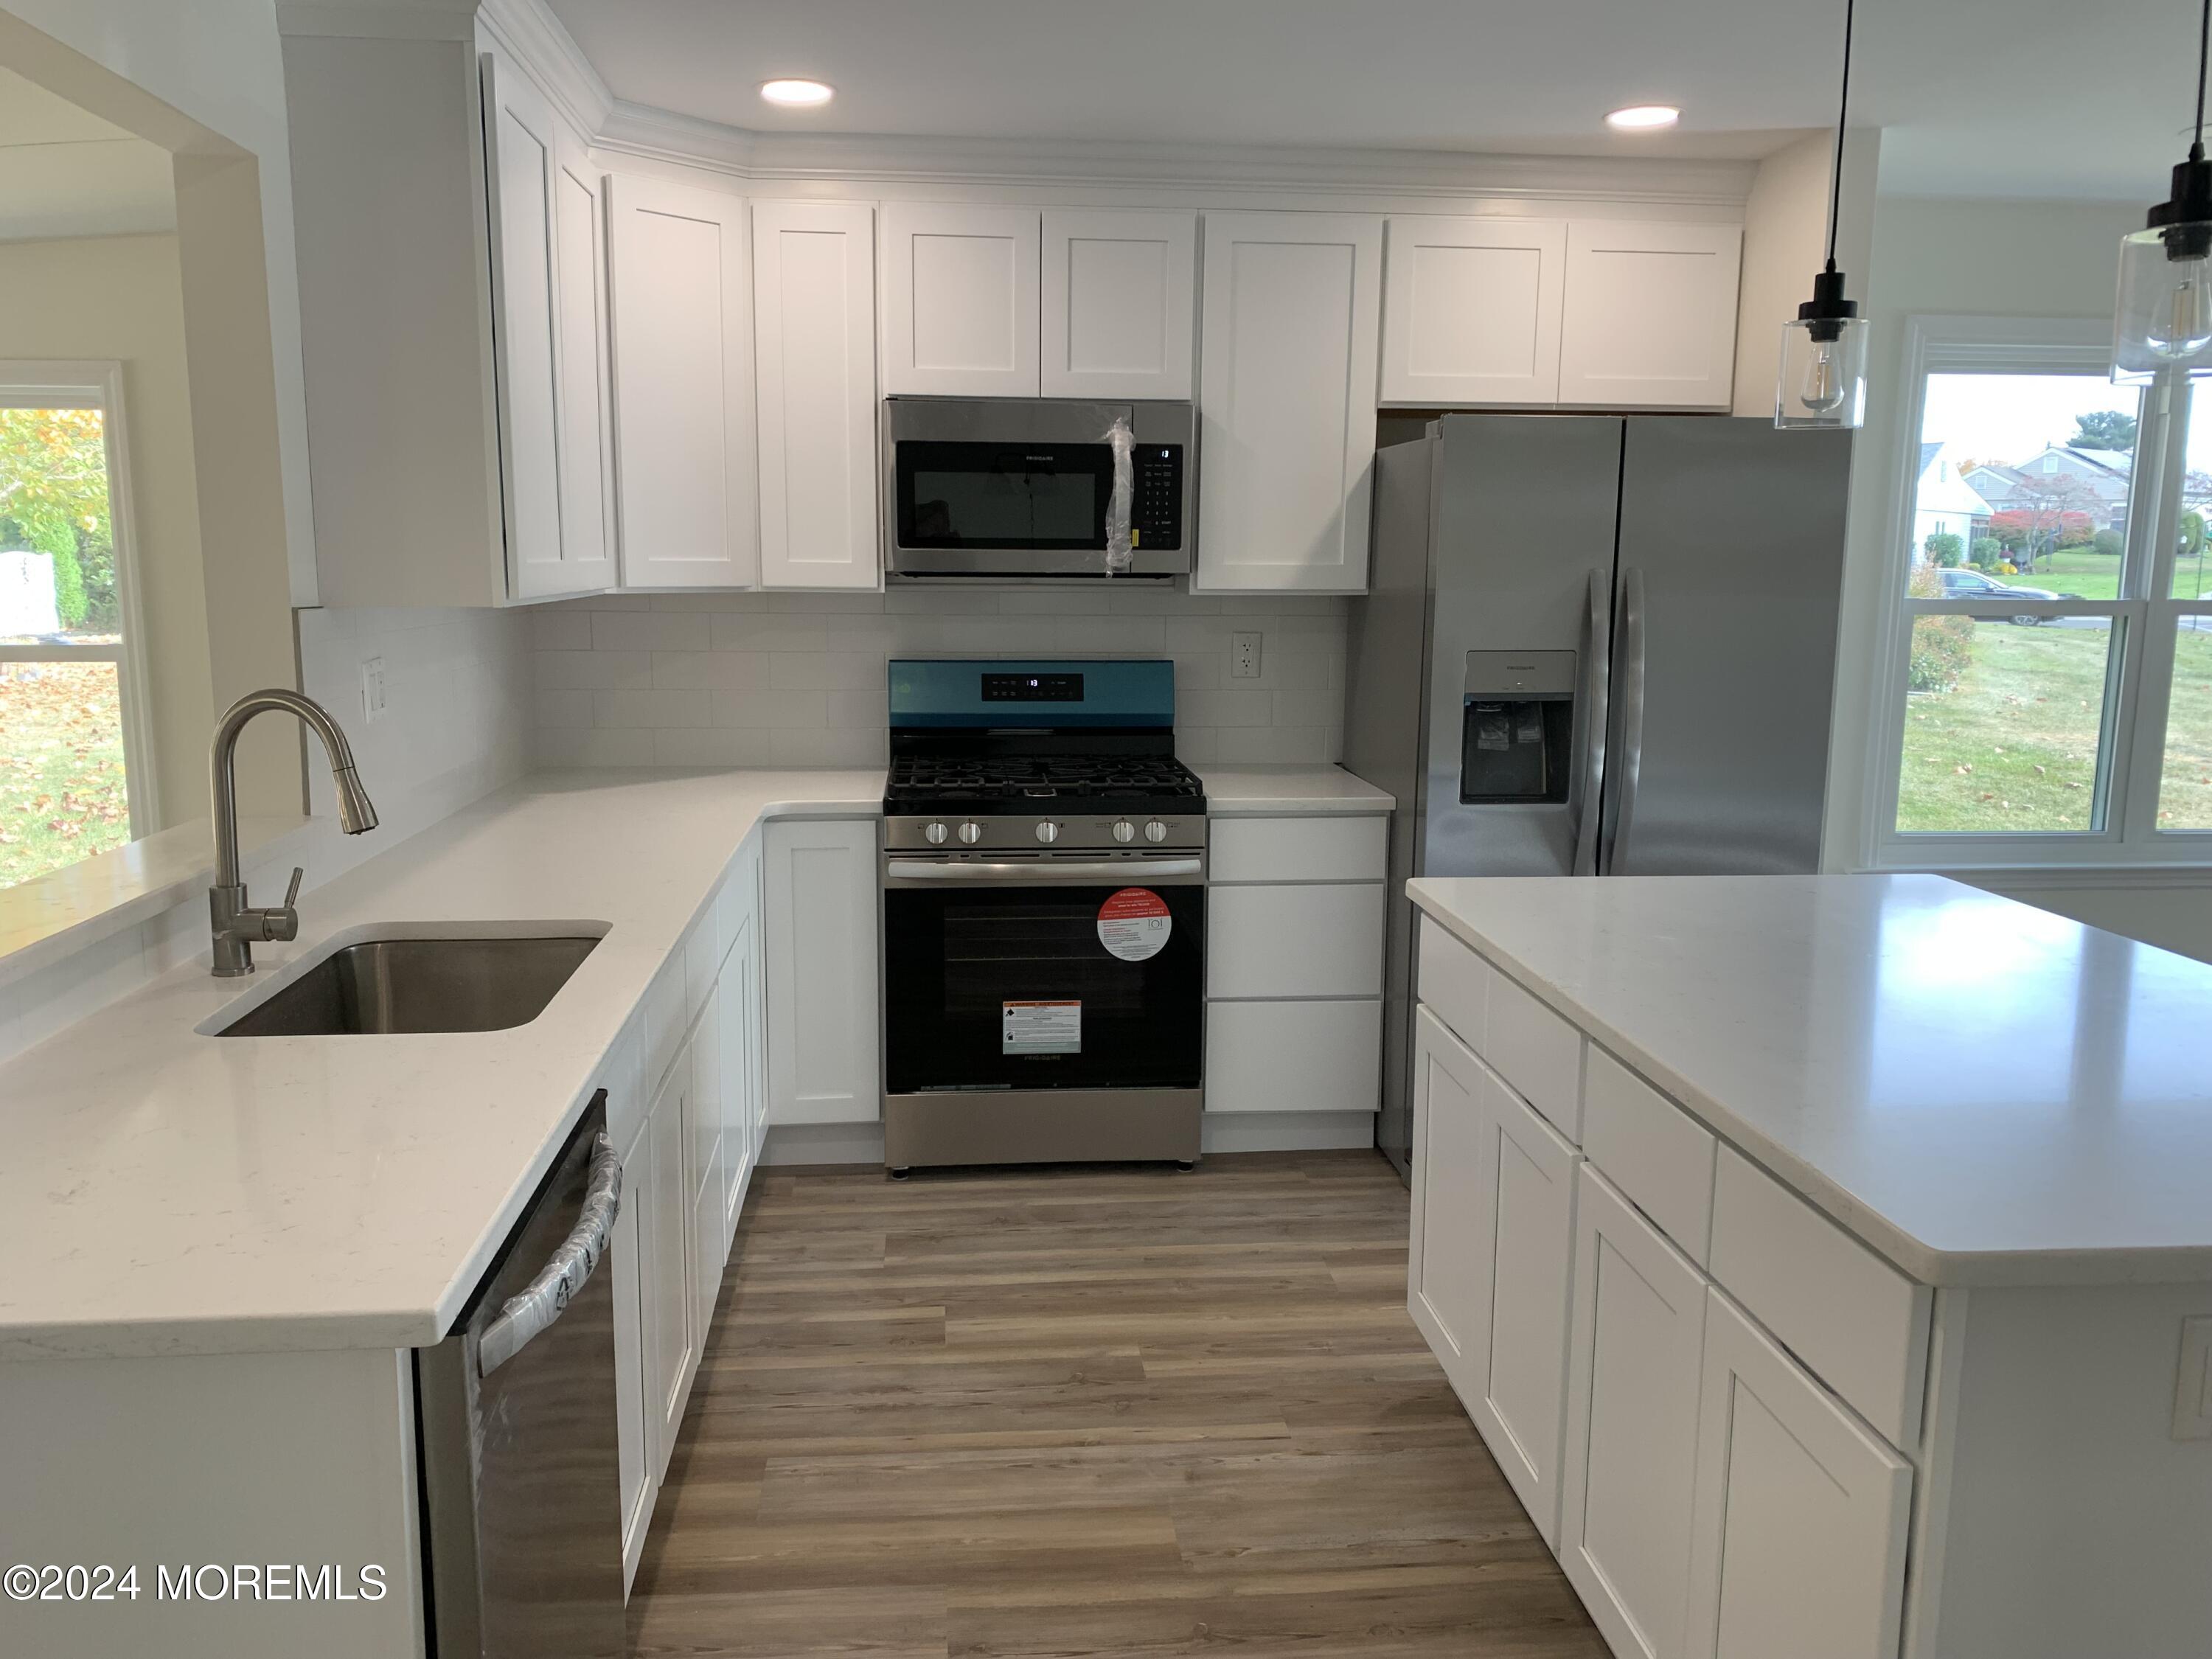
point(521, 1486)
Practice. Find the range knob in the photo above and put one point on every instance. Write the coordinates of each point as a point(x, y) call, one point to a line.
point(1155, 830)
point(1125, 831)
point(936, 835)
point(1047, 831)
point(971, 833)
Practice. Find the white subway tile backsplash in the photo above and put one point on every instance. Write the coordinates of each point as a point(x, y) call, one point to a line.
point(799, 679)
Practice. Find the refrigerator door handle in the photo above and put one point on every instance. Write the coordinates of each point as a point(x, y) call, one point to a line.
point(1632, 718)
point(1597, 652)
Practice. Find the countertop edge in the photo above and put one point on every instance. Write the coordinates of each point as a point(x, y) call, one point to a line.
point(1925, 1263)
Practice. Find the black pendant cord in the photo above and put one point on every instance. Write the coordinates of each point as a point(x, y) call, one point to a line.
point(2203, 57)
point(1842, 112)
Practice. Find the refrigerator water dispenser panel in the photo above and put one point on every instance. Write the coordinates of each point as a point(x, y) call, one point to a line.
point(1517, 738)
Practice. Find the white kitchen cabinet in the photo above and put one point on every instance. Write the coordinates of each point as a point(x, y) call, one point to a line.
point(1798, 1537)
point(547, 326)
point(1471, 311)
point(960, 299)
point(823, 1004)
point(1649, 320)
point(1313, 939)
point(633, 1441)
point(671, 1342)
point(1121, 288)
point(683, 328)
point(1287, 394)
point(1635, 1359)
point(814, 356)
point(1447, 1284)
point(1298, 1056)
point(703, 1172)
point(737, 1010)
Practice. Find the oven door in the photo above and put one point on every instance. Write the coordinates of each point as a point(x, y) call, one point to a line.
point(1039, 974)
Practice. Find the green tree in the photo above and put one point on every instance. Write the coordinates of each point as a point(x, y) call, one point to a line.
point(1943, 550)
point(2192, 534)
point(2104, 428)
point(53, 484)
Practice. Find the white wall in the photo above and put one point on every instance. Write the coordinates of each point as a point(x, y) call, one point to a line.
point(799, 679)
point(116, 298)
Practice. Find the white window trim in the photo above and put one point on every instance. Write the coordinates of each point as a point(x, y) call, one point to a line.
point(2136, 692)
point(34, 383)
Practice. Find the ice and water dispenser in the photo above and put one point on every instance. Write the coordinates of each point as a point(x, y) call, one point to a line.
point(1518, 741)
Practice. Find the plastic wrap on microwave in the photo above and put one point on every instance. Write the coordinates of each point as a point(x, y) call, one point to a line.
point(1119, 553)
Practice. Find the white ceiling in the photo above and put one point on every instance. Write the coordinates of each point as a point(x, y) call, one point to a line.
point(2015, 97)
point(65, 172)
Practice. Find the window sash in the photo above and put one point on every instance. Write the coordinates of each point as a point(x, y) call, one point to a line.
point(2139, 676)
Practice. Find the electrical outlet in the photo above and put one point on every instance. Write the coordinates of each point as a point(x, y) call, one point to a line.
point(2192, 1393)
point(371, 689)
point(1243, 656)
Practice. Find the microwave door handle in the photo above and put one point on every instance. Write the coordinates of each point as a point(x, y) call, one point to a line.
point(1597, 656)
point(1632, 666)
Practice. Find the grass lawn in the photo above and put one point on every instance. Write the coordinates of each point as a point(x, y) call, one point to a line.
point(2013, 746)
point(2080, 573)
point(61, 767)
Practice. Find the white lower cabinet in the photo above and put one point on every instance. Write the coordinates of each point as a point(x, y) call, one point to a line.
point(665, 1254)
point(823, 1009)
point(1799, 1530)
point(1635, 1355)
point(633, 1447)
point(1447, 1293)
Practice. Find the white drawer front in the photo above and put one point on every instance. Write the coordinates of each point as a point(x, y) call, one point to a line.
point(1650, 1148)
point(1293, 1056)
point(1861, 1325)
point(1537, 1052)
point(1454, 982)
point(1298, 849)
point(1295, 941)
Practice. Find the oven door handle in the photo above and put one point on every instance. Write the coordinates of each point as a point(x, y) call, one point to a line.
point(1133, 871)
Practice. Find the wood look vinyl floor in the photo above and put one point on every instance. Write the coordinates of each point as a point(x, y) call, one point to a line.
point(1083, 1412)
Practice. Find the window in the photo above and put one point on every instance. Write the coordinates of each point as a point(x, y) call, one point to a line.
point(74, 778)
point(2051, 678)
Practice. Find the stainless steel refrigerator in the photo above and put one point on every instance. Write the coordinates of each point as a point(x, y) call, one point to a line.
point(1593, 646)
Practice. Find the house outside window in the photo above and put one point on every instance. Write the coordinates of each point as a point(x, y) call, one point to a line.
point(2049, 685)
point(76, 777)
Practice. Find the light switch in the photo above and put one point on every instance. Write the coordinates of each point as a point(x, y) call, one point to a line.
point(2192, 1393)
point(371, 689)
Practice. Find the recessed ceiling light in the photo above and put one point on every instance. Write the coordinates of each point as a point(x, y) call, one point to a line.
point(1643, 117)
point(798, 95)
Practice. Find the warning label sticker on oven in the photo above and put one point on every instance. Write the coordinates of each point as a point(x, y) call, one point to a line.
point(1041, 1028)
point(1134, 924)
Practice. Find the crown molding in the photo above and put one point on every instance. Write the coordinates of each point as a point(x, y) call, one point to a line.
point(529, 30)
point(662, 135)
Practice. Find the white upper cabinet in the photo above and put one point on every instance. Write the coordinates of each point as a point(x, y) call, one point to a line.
point(1471, 311)
point(1651, 315)
point(684, 387)
point(814, 339)
point(1120, 290)
point(1287, 396)
point(587, 410)
point(960, 299)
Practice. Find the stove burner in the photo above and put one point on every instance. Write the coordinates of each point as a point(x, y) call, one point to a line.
point(920, 780)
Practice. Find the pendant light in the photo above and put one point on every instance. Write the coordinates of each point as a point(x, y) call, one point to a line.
point(2164, 320)
point(1824, 351)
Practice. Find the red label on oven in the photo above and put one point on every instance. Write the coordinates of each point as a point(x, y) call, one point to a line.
point(1134, 924)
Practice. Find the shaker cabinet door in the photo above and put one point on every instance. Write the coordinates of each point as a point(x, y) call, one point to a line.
point(960, 299)
point(1651, 319)
point(1798, 1535)
point(1121, 288)
point(1634, 1361)
point(1471, 311)
point(1454, 1223)
point(684, 387)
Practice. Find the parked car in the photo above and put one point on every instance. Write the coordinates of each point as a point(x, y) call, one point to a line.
point(1973, 585)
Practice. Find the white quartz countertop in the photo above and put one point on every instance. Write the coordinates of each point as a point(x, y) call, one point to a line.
point(1270, 791)
point(1982, 1091)
point(170, 1193)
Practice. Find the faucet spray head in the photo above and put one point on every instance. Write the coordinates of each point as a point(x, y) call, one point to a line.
point(356, 816)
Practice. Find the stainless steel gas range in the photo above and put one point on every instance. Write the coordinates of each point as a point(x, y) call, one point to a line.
point(1044, 916)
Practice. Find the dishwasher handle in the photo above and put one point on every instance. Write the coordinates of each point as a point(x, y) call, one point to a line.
point(524, 1316)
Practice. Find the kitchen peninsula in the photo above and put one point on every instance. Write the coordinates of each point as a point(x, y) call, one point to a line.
point(1826, 1259)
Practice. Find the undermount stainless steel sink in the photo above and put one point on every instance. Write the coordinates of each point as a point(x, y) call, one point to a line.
point(389, 987)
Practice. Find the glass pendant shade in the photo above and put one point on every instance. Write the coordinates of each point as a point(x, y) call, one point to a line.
point(1823, 379)
point(2163, 321)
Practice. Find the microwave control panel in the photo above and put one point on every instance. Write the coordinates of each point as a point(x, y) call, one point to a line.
point(1156, 512)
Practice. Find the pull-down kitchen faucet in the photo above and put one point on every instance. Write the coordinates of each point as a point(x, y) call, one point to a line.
point(237, 925)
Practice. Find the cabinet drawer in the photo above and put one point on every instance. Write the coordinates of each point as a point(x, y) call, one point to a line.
point(1537, 1052)
point(1293, 1056)
point(1857, 1322)
point(1295, 941)
point(1454, 982)
point(1298, 850)
point(1650, 1148)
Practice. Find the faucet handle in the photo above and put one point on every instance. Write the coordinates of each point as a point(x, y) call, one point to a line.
point(282, 922)
point(292, 892)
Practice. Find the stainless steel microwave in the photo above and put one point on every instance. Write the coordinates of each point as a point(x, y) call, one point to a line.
point(1017, 488)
